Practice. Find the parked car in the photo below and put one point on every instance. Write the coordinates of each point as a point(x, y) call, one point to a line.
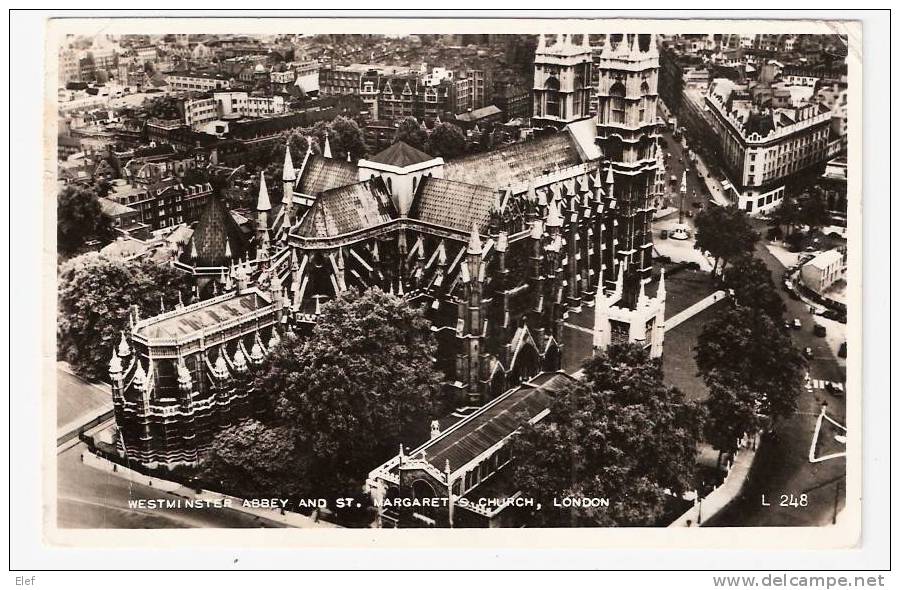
point(808, 352)
point(664, 234)
point(690, 213)
point(842, 350)
point(797, 324)
point(819, 330)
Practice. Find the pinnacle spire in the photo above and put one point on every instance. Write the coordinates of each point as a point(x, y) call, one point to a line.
point(553, 217)
point(610, 176)
point(288, 173)
point(661, 289)
point(263, 203)
point(474, 241)
point(327, 151)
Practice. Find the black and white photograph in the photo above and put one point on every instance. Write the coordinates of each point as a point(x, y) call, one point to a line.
point(472, 289)
point(581, 278)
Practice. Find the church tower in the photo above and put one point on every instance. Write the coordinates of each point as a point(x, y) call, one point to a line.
point(562, 81)
point(627, 134)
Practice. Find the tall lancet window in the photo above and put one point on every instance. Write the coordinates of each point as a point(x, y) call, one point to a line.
point(551, 86)
point(617, 103)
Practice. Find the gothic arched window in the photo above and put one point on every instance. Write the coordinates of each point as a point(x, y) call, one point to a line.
point(552, 97)
point(617, 103)
point(645, 100)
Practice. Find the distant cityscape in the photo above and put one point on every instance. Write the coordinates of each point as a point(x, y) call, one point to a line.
point(368, 275)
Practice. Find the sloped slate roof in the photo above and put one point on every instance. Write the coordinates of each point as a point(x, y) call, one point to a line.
point(514, 163)
point(215, 229)
point(321, 174)
point(347, 209)
point(452, 204)
point(495, 421)
point(400, 154)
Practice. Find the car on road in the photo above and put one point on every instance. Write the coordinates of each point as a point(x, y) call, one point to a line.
point(797, 324)
point(697, 204)
point(819, 330)
point(664, 234)
point(808, 352)
point(690, 213)
point(836, 389)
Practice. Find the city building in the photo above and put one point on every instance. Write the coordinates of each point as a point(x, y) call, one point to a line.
point(200, 112)
point(824, 270)
point(514, 100)
point(161, 201)
point(306, 76)
point(181, 376)
point(763, 146)
point(198, 81)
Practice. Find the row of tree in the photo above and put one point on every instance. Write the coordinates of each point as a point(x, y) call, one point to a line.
point(747, 358)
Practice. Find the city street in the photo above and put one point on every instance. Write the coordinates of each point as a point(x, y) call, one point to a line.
point(782, 466)
point(91, 498)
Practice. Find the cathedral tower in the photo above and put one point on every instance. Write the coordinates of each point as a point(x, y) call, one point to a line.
point(562, 81)
point(627, 133)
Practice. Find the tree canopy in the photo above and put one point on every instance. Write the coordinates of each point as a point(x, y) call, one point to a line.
point(743, 346)
point(725, 233)
point(731, 411)
point(347, 396)
point(446, 141)
point(753, 287)
point(79, 218)
point(95, 298)
point(620, 434)
point(410, 132)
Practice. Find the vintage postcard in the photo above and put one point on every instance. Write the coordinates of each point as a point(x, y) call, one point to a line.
point(572, 282)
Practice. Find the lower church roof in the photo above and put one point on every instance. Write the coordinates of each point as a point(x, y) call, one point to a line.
point(456, 205)
point(348, 209)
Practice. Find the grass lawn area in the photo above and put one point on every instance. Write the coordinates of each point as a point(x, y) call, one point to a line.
point(679, 367)
point(76, 398)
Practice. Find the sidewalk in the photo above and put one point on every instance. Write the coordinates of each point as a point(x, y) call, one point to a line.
point(727, 491)
point(694, 309)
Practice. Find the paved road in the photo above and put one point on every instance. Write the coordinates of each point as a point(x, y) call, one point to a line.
point(91, 498)
point(783, 465)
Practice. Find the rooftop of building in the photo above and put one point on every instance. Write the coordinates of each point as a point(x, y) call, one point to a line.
point(478, 114)
point(321, 174)
point(401, 155)
point(452, 204)
point(201, 316)
point(515, 163)
point(494, 422)
point(217, 238)
point(347, 209)
point(825, 259)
